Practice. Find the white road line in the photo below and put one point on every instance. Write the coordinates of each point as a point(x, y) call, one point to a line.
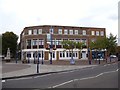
point(105, 65)
point(117, 70)
point(42, 76)
point(62, 84)
point(3, 80)
point(82, 79)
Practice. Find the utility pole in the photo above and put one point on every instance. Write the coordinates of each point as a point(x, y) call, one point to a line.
point(51, 46)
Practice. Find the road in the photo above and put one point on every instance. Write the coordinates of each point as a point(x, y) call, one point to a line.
point(102, 76)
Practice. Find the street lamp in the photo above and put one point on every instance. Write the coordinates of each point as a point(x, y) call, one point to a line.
point(72, 61)
point(38, 63)
point(51, 46)
point(17, 54)
point(89, 55)
point(42, 57)
point(99, 55)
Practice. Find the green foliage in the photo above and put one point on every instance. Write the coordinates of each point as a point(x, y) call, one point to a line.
point(9, 40)
point(108, 43)
point(79, 45)
point(70, 45)
point(111, 45)
point(100, 43)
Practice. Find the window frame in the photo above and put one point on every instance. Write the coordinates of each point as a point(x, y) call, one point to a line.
point(35, 32)
point(29, 32)
point(84, 32)
point(65, 31)
point(39, 31)
point(59, 31)
point(75, 32)
point(70, 32)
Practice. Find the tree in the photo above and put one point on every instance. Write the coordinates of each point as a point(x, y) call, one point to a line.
point(108, 43)
point(9, 40)
point(100, 43)
point(70, 45)
point(111, 44)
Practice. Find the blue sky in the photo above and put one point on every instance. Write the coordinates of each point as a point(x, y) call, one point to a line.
point(17, 14)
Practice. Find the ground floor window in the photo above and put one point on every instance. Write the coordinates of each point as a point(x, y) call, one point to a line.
point(98, 54)
point(68, 54)
point(28, 55)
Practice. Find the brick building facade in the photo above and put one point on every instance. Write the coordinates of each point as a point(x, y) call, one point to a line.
point(36, 39)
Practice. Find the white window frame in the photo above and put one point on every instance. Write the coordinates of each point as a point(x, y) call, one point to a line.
point(39, 31)
point(84, 32)
point(35, 31)
point(92, 32)
point(51, 30)
point(97, 33)
point(29, 32)
point(76, 32)
point(65, 31)
point(71, 32)
point(59, 31)
point(34, 42)
point(102, 33)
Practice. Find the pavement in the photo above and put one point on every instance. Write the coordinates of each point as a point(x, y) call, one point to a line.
point(16, 70)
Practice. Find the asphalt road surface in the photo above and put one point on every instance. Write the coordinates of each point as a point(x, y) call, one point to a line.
point(102, 76)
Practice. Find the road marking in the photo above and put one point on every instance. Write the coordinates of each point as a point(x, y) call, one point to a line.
point(42, 76)
point(62, 84)
point(82, 79)
point(3, 80)
point(105, 65)
point(117, 69)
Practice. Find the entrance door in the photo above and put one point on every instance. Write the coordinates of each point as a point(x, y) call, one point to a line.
point(83, 54)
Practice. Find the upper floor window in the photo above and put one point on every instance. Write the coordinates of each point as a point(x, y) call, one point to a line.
point(102, 33)
point(28, 42)
point(93, 32)
point(35, 31)
point(65, 31)
point(39, 31)
point(84, 32)
point(76, 32)
point(51, 30)
point(34, 42)
point(59, 31)
point(40, 42)
point(70, 32)
point(29, 32)
point(97, 33)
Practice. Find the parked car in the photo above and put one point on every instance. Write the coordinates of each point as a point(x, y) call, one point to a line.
point(113, 56)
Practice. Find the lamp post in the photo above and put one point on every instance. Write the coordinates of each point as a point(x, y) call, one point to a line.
point(38, 63)
point(34, 57)
point(51, 46)
point(42, 57)
point(28, 58)
point(89, 55)
point(99, 55)
point(72, 61)
point(16, 56)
